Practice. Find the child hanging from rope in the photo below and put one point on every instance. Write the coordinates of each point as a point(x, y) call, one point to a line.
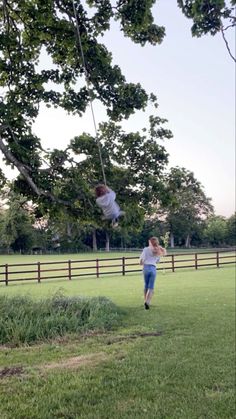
point(106, 201)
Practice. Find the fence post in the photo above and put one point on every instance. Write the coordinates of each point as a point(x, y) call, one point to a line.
point(6, 274)
point(39, 273)
point(173, 262)
point(217, 260)
point(97, 268)
point(195, 260)
point(123, 265)
point(69, 270)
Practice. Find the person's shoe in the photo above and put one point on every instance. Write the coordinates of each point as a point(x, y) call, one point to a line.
point(146, 306)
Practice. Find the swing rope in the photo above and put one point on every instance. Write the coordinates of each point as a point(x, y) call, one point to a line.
point(89, 92)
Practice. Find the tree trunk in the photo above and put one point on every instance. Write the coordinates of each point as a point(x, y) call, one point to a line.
point(187, 241)
point(172, 240)
point(107, 242)
point(68, 230)
point(95, 247)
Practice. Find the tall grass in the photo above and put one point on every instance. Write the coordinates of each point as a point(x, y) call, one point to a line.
point(24, 320)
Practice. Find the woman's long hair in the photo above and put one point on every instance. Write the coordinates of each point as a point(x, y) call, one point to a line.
point(155, 246)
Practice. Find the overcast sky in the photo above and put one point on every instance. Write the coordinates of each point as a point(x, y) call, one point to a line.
point(193, 79)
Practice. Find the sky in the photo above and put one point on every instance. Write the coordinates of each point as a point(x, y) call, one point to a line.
point(194, 81)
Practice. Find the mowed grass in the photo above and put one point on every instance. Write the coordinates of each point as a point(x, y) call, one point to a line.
point(184, 370)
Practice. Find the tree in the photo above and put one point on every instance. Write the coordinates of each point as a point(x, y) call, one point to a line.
point(210, 17)
point(135, 166)
point(29, 27)
point(185, 205)
point(231, 230)
point(216, 230)
point(16, 230)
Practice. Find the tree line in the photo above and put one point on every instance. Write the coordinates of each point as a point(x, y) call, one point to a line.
point(22, 230)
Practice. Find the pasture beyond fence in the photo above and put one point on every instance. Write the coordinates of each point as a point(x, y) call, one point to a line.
point(70, 269)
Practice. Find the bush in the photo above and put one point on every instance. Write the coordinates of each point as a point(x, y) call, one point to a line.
point(25, 320)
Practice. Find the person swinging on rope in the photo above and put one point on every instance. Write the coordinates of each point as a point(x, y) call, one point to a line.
point(105, 196)
point(106, 201)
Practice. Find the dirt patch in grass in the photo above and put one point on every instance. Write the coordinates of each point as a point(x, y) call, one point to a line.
point(214, 391)
point(117, 339)
point(77, 361)
point(10, 371)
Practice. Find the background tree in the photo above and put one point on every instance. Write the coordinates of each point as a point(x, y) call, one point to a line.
point(216, 231)
point(231, 230)
point(16, 226)
point(185, 205)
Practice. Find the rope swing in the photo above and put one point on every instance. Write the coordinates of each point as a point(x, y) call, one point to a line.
point(90, 96)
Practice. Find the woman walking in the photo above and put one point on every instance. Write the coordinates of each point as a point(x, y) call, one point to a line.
point(150, 256)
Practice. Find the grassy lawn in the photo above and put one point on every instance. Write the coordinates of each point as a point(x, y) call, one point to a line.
point(185, 370)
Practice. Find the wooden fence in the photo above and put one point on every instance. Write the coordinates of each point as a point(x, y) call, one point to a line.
point(40, 271)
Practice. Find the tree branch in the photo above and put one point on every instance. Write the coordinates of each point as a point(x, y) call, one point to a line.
point(227, 44)
point(24, 172)
point(229, 26)
point(9, 156)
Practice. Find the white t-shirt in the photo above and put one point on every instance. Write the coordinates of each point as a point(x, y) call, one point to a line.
point(108, 205)
point(148, 258)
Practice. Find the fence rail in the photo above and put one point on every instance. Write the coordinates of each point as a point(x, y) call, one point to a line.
point(99, 267)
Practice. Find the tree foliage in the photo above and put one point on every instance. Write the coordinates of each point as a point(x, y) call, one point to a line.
point(65, 178)
point(185, 205)
point(216, 230)
point(125, 155)
point(210, 17)
point(16, 225)
point(29, 28)
point(231, 230)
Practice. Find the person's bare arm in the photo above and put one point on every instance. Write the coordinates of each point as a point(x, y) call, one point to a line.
point(142, 256)
point(162, 251)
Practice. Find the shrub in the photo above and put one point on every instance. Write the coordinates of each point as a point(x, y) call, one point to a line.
point(25, 320)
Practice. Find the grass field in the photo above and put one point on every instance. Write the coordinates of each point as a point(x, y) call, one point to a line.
point(174, 361)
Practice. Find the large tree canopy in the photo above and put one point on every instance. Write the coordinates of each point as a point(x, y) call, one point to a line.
point(29, 28)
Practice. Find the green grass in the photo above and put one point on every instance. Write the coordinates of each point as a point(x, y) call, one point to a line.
point(186, 372)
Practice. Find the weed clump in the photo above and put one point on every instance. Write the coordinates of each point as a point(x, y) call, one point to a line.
point(24, 320)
